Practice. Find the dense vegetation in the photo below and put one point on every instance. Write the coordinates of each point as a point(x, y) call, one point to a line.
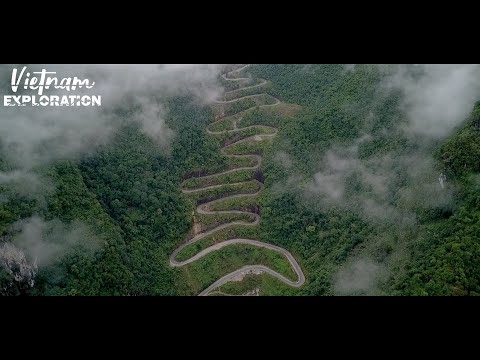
point(446, 257)
point(126, 197)
point(128, 194)
point(438, 253)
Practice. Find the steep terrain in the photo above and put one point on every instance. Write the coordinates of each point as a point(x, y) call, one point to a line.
point(301, 180)
point(236, 96)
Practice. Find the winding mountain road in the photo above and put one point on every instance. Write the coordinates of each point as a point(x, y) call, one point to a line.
point(201, 209)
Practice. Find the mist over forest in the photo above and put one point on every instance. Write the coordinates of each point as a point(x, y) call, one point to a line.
point(366, 175)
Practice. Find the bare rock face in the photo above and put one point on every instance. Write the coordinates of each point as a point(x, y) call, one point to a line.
point(15, 263)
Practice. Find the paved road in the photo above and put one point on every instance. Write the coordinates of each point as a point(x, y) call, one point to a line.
point(201, 209)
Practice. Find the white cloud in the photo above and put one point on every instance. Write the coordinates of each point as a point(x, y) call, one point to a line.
point(438, 97)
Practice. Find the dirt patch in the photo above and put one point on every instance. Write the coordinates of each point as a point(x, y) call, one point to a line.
point(240, 276)
point(197, 229)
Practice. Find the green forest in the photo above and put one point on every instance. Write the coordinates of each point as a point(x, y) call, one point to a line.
point(438, 254)
point(393, 230)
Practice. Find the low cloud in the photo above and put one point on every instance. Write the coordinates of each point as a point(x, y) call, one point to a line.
point(45, 242)
point(359, 277)
point(36, 243)
point(437, 97)
point(394, 188)
point(23, 182)
point(283, 159)
point(372, 187)
point(34, 136)
point(152, 124)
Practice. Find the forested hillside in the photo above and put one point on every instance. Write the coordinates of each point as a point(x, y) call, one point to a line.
point(319, 160)
point(414, 237)
point(127, 195)
point(446, 256)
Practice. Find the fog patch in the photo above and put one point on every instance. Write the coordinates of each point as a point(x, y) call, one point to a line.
point(359, 277)
point(283, 159)
point(36, 136)
point(45, 242)
point(437, 97)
